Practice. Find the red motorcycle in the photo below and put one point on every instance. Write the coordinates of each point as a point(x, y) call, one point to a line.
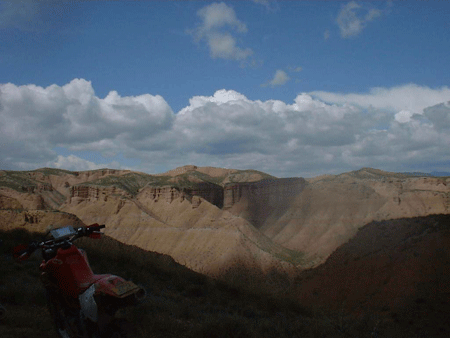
point(82, 304)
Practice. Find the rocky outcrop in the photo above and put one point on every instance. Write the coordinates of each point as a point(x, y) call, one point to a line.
point(257, 201)
point(35, 188)
point(36, 220)
point(9, 203)
point(179, 171)
point(165, 193)
point(80, 193)
point(12, 199)
point(211, 192)
point(329, 211)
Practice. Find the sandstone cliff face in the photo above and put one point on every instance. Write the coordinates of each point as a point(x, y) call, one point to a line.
point(260, 202)
point(311, 217)
point(9, 203)
point(23, 200)
point(36, 220)
point(80, 193)
point(210, 192)
point(328, 212)
point(196, 234)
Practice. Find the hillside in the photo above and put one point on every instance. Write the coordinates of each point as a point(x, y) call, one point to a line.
point(329, 210)
point(179, 302)
point(390, 280)
point(212, 219)
point(397, 271)
point(366, 252)
point(179, 215)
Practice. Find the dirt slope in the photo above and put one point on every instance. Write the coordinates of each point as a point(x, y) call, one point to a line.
point(210, 218)
point(329, 210)
point(36, 220)
point(195, 233)
point(398, 270)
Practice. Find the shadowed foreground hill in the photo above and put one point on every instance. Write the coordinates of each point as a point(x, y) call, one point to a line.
point(391, 280)
point(397, 271)
point(180, 302)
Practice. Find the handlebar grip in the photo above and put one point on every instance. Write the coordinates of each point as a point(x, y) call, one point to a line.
point(23, 254)
point(95, 226)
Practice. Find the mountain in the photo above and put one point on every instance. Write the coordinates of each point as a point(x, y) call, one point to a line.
point(177, 214)
point(329, 210)
point(214, 220)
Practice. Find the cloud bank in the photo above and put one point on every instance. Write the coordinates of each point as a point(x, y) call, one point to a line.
point(400, 128)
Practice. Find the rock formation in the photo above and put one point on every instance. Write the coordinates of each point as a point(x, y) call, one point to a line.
point(208, 217)
point(259, 201)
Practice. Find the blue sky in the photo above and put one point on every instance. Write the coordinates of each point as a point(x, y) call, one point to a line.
point(292, 88)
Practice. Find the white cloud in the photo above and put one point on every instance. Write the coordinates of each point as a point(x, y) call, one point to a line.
point(218, 26)
point(280, 78)
point(439, 115)
point(219, 15)
point(75, 163)
point(409, 97)
point(316, 133)
point(403, 116)
point(35, 120)
point(350, 20)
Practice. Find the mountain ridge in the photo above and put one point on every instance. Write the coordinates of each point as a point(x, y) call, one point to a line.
point(288, 223)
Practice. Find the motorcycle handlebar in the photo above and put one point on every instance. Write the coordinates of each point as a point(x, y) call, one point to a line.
point(24, 252)
point(93, 228)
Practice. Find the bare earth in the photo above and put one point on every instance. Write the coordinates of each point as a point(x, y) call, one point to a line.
point(214, 219)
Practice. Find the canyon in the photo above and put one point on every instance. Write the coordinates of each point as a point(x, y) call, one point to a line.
point(211, 219)
point(364, 243)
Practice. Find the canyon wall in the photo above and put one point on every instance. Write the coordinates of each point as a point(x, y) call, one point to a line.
point(262, 201)
point(81, 193)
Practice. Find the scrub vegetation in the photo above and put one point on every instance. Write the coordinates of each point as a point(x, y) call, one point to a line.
point(179, 302)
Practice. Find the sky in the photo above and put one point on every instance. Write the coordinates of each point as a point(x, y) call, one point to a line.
point(290, 88)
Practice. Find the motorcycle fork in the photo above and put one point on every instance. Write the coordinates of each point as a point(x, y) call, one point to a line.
point(65, 314)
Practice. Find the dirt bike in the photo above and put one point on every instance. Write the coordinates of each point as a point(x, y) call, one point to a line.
point(82, 304)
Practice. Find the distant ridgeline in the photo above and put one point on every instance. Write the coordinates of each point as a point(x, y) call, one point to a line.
point(432, 174)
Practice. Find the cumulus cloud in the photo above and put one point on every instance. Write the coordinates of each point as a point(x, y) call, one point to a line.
point(218, 26)
point(411, 97)
point(314, 134)
point(37, 119)
point(439, 115)
point(280, 78)
point(352, 20)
